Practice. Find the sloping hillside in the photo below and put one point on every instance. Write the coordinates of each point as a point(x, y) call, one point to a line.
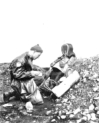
point(80, 104)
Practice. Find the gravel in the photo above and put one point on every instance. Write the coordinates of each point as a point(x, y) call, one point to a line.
point(81, 103)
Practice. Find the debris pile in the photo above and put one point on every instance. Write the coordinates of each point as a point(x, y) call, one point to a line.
point(81, 102)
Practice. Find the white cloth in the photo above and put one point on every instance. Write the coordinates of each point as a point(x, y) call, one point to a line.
point(31, 89)
point(66, 84)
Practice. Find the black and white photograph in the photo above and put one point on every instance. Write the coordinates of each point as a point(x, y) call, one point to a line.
point(49, 61)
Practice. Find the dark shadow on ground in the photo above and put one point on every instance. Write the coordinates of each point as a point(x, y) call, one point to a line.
point(13, 114)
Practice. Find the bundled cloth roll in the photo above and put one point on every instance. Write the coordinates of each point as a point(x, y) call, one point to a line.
point(66, 83)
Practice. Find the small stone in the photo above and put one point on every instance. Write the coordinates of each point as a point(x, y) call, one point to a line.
point(59, 105)
point(95, 75)
point(90, 66)
point(73, 97)
point(97, 112)
point(30, 114)
point(78, 115)
point(64, 100)
point(64, 104)
point(57, 100)
point(56, 109)
point(7, 122)
point(86, 73)
point(72, 122)
point(97, 109)
point(60, 113)
point(96, 98)
point(95, 89)
point(18, 117)
point(86, 111)
point(7, 105)
point(63, 111)
point(48, 112)
point(71, 115)
point(58, 117)
point(91, 107)
point(84, 118)
point(29, 106)
point(56, 112)
point(69, 112)
point(84, 80)
point(53, 120)
point(34, 121)
point(98, 79)
point(29, 111)
point(79, 121)
point(63, 117)
point(20, 108)
point(88, 116)
point(76, 111)
point(23, 112)
point(93, 116)
point(44, 96)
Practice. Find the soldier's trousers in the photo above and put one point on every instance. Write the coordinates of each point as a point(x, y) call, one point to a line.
point(29, 89)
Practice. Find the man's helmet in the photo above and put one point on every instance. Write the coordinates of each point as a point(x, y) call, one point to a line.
point(67, 49)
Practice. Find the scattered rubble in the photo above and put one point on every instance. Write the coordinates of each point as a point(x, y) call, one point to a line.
point(81, 103)
point(29, 107)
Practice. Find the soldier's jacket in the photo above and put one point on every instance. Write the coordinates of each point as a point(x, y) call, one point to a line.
point(21, 67)
point(67, 60)
point(66, 63)
point(22, 79)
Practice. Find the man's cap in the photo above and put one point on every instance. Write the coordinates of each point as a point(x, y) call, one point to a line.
point(37, 48)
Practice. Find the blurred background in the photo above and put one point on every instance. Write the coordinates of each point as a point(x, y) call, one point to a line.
point(50, 23)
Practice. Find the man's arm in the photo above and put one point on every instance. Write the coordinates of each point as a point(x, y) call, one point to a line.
point(20, 73)
point(56, 61)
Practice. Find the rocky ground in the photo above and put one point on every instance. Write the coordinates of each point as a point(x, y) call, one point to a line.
point(80, 104)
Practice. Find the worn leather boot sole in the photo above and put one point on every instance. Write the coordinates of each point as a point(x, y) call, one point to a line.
point(6, 97)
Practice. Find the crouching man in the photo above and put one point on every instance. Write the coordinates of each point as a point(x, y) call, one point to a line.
point(22, 77)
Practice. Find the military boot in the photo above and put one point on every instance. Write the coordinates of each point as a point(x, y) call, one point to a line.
point(8, 95)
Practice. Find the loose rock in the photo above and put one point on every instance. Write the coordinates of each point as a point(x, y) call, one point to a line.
point(53, 120)
point(84, 118)
point(93, 116)
point(91, 107)
point(29, 106)
point(88, 116)
point(7, 105)
point(7, 122)
point(48, 112)
point(95, 89)
point(76, 111)
point(63, 117)
point(97, 112)
point(71, 115)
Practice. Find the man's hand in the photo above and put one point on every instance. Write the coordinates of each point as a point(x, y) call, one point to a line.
point(52, 64)
point(36, 73)
point(48, 73)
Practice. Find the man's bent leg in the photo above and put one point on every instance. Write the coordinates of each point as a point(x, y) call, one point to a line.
point(33, 93)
